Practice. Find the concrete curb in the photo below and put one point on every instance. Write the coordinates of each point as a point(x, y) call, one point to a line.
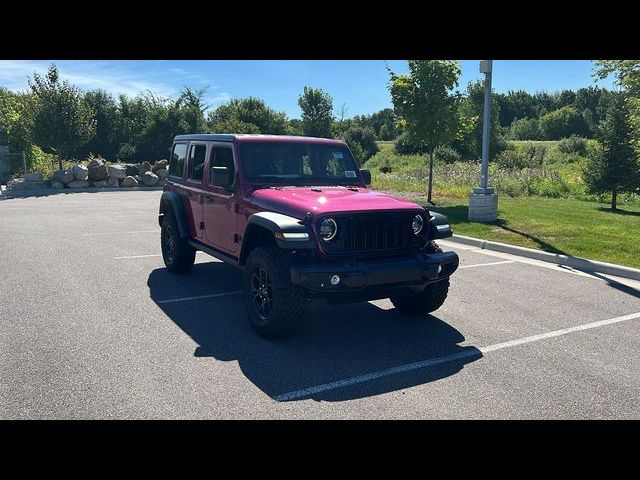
point(569, 261)
point(52, 191)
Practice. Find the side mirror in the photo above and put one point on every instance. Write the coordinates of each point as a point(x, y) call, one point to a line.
point(219, 176)
point(366, 174)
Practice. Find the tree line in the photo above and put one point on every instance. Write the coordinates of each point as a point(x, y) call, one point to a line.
point(57, 118)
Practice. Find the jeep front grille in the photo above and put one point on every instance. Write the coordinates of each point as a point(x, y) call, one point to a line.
point(373, 232)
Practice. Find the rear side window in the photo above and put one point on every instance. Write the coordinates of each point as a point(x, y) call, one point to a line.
point(197, 155)
point(223, 157)
point(178, 155)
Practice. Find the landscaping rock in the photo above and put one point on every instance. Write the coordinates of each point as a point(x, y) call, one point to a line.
point(63, 176)
point(33, 177)
point(129, 181)
point(162, 173)
point(150, 179)
point(138, 178)
point(99, 184)
point(80, 172)
point(117, 171)
point(78, 184)
point(144, 167)
point(97, 170)
point(159, 165)
point(114, 182)
point(57, 185)
point(131, 170)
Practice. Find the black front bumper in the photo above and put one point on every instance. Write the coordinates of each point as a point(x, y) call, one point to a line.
point(376, 275)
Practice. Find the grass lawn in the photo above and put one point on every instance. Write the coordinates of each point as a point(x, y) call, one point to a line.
point(564, 226)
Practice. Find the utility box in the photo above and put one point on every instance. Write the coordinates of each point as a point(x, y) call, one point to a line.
point(486, 66)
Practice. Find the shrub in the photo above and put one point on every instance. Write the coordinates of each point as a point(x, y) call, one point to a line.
point(515, 159)
point(562, 122)
point(362, 142)
point(573, 144)
point(127, 152)
point(447, 154)
point(525, 129)
point(405, 147)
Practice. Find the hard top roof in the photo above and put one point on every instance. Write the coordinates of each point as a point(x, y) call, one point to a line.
point(229, 137)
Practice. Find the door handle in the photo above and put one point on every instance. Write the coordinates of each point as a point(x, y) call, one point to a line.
point(207, 199)
point(188, 193)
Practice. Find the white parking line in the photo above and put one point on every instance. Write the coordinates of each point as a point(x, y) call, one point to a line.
point(138, 256)
point(446, 359)
point(120, 233)
point(184, 299)
point(487, 264)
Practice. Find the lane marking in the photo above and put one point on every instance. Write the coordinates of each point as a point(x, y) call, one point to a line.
point(138, 256)
point(184, 299)
point(558, 333)
point(487, 264)
point(375, 375)
point(120, 233)
point(471, 352)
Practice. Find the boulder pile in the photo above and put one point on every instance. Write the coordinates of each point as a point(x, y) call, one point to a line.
point(98, 174)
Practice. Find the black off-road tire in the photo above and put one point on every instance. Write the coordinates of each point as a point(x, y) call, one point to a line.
point(177, 254)
point(429, 299)
point(287, 300)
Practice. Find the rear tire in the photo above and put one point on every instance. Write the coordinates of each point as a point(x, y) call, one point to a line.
point(428, 300)
point(274, 305)
point(177, 254)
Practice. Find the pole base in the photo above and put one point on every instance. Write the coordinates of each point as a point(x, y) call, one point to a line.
point(483, 207)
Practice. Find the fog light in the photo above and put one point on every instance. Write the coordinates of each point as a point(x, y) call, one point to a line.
point(439, 269)
point(335, 280)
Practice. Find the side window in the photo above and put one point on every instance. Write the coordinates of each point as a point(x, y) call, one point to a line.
point(222, 157)
point(195, 166)
point(176, 164)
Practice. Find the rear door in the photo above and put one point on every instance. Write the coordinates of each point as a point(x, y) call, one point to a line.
point(177, 165)
point(220, 205)
point(193, 186)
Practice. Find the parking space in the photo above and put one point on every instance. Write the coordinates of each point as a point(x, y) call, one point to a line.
point(93, 326)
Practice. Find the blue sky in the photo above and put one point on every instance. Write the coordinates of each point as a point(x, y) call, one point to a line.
point(359, 84)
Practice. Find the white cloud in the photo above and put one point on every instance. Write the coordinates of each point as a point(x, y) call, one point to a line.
point(114, 77)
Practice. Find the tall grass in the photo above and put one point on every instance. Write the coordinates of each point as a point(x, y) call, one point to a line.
point(552, 173)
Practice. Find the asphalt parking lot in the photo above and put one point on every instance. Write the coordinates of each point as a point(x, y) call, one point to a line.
point(93, 326)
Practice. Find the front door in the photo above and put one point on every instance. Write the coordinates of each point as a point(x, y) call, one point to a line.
point(193, 186)
point(220, 202)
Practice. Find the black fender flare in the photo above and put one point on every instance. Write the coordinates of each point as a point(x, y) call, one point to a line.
point(439, 225)
point(280, 226)
point(174, 201)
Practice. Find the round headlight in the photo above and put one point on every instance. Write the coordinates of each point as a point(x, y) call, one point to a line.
point(417, 224)
point(328, 229)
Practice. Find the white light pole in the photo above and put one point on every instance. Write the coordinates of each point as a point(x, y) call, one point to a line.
point(483, 203)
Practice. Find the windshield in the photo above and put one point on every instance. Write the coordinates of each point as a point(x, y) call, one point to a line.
point(298, 163)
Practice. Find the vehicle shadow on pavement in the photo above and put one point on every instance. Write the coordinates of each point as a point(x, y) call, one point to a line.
point(335, 342)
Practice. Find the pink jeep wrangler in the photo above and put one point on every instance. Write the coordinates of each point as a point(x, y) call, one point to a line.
point(296, 214)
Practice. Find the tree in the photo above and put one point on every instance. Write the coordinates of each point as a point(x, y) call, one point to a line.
point(361, 142)
point(472, 114)
point(627, 74)
point(427, 110)
point(525, 129)
point(561, 123)
point(317, 112)
point(247, 115)
point(192, 105)
point(63, 121)
point(616, 169)
point(105, 141)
